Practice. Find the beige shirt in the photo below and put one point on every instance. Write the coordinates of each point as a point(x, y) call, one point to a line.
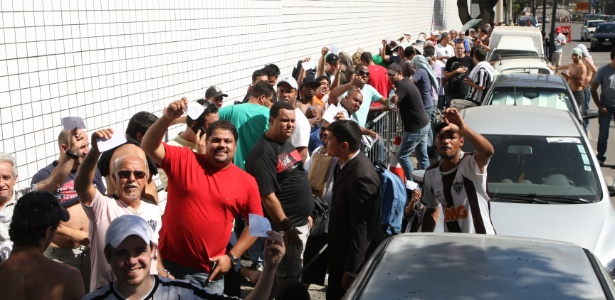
point(101, 212)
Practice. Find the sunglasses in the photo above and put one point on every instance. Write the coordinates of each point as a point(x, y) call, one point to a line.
point(126, 174)
point(362, 73)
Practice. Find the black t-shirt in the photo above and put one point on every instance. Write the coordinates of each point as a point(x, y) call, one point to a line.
point(278, 169)
point(410, 105)
point(456, 88)
point(66, 193)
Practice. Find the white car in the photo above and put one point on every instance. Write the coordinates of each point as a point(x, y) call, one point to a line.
point(544, 179)
point(527, 64)
point(589, 27)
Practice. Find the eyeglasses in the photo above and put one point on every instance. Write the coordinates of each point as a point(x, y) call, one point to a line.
point(126, 174)
point(362, 73)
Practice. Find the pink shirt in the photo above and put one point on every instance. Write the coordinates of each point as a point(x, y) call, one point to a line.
point(101, 212)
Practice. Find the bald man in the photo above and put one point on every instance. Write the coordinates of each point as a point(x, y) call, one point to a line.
point(70, 244)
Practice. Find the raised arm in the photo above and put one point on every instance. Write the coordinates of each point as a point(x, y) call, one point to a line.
point(321, 62)
point(65, 164)
point(274, 252)
point(484, 149)
point(85, 175)
point(335, 93)
point(152, 140)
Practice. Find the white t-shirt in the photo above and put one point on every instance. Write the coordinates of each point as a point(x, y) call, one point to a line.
point(101, 212)
point(301, 135)
point(468, 189)
point(447, 50)
point(559, 39)
point(6, 215)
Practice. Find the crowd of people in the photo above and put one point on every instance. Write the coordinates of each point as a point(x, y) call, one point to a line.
point(90, 221)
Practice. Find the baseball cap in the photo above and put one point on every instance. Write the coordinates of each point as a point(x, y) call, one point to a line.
point(38, 209)
point(332, 59)
point(290, 80)
point(310, 80)
point(394, 68)
point(577, 51)
point(125, 226)
point(435, 32)
point(215, 92)
point(407, 33)
point(558, 30)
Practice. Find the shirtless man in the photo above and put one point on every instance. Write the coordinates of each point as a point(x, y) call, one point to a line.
point(575, 78)
point(591, 71)
point(312, 109)
point(70, 244)
point(27, 273)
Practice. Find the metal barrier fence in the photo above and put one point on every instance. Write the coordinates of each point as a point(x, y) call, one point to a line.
point(386, 125)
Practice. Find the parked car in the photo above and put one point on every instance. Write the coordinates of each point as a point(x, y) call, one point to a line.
point(587, 31)
point(535, 90)
point(477, 266)
point(603, 37)
point(544, 179)
point(523, 21)
point(522, 64)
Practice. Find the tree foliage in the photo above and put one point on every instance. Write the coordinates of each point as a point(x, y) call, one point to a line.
point(487, 14)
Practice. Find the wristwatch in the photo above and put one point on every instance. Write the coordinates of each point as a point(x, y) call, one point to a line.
point(72, 155)
point(234, 260)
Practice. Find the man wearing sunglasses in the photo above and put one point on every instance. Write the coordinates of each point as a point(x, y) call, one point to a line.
point(206, 193)
point(130, 175)
point(370, 94)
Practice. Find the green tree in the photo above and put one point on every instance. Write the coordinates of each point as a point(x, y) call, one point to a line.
point(487, 14)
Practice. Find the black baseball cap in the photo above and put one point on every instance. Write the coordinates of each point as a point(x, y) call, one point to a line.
point(332, 59)
point(214, 91)
point(36, 209)
point(310, 80)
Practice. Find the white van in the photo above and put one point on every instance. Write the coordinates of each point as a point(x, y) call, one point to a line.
point(515, 41)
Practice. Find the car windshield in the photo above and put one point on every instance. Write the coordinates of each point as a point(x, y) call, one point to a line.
point(503, 53)
point(532, 96)
point(605, 28)
point(593, 24)
point(553, 167)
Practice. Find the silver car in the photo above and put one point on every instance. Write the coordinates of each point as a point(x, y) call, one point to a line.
point(544, 179)
point(475, 266)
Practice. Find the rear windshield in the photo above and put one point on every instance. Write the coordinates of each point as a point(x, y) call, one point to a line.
point(606, 28)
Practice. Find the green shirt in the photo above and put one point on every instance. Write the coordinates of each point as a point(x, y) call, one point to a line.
point(252, 121)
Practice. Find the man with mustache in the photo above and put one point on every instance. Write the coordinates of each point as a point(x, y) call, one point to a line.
point(130, 175)
point(206, 193)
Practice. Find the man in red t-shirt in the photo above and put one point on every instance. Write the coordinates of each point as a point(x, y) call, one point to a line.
point(377, 74)
point(206, 193)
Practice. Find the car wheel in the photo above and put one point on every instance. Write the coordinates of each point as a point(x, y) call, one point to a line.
point(582, 39)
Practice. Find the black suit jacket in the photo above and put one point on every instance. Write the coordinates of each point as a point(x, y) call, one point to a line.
point(355, 228)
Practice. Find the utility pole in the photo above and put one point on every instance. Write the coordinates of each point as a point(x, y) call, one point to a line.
point(544, 15)
point(552, 33)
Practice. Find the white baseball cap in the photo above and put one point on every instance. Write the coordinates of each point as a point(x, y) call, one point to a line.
point(290, 80)
point(125, 226)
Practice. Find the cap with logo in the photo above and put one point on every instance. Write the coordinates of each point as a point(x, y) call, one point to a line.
point(290, 81)
point(215, 92)
point(332, 58)
point(125, 226)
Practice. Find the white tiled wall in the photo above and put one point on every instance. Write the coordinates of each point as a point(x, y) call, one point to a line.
point(105, 60)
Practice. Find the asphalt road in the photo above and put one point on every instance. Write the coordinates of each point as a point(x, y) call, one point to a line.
point(600, 58)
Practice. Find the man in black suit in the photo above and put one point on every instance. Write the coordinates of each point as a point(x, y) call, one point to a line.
point(355, 228)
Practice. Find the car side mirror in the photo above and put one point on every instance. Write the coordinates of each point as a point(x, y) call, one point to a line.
point(590, 114)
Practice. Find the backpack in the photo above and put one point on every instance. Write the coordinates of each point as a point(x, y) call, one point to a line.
point(393, 197)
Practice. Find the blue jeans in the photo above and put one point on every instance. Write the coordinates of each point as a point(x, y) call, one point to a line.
point(603, 133)
point(431, 112)
point(195, 276)
point(409, 142)
point(588, 98)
